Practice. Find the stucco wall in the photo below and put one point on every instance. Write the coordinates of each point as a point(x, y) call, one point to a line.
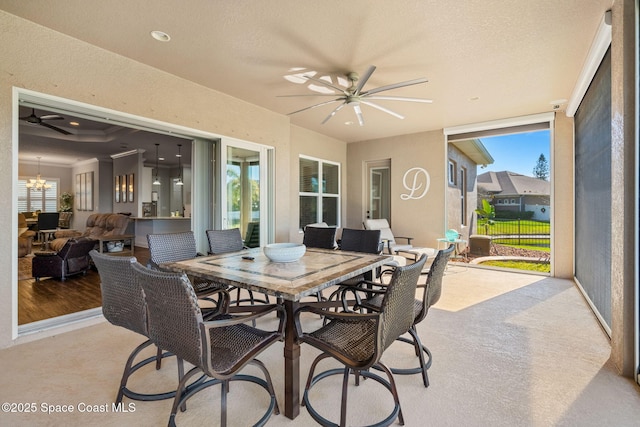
point(71, 69)
point(454, 202)
point(424, 218)
point(562, 218)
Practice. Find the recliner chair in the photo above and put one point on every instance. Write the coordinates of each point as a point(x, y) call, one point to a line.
point(72, 259)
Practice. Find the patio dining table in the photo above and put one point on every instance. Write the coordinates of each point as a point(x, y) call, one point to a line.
point(316, 270)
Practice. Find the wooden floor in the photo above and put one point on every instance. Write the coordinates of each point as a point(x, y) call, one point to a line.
point(50, 297)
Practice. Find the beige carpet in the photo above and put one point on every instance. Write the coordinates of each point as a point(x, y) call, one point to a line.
point(509, 350)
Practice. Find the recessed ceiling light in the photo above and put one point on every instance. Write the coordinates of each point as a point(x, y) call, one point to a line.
point(160, 158)
point(74, 123)
point(160, 36)
point(349, 123)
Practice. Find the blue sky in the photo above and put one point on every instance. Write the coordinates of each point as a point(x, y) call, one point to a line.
point(516, 153)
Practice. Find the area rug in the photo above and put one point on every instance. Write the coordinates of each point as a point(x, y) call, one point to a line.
point(24, 267)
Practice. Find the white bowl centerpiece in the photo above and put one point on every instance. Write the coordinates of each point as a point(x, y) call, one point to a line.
point(284, 252)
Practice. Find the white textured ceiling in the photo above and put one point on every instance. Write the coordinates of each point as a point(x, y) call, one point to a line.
point(485, 60)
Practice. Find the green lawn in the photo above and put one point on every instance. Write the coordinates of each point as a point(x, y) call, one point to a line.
point(541, 267)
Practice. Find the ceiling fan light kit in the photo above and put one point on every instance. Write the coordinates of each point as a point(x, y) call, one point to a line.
point(354, 96)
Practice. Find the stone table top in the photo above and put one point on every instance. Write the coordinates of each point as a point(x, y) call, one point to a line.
point(316, 270)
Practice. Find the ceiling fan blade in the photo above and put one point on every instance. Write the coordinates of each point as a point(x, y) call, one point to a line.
point(306, 94)
point(57, 129)
point(400, 98)
point(333, 113)
point(386, 110)
point(358, 111)
point(322, 82)
point(51, 117)
point(314, 106)
point(395, 86)
point(364, 78)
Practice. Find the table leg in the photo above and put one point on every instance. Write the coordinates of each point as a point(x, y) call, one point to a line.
point(291, 364)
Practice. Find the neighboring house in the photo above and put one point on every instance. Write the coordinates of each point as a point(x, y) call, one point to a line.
point(511, 191)
point(463, 158)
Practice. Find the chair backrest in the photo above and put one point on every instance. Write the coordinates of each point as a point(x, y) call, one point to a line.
point(367, 241)
point(433, 285)
point(171, 247)
point(48, 220)
point(398, 302)
point(319, 237)
point(65, 219)
point(252, 237)
point(77, 247)
point(122, 299)
point(223, 241)
point(382, 225)
point(22, 221)
point(173, 313)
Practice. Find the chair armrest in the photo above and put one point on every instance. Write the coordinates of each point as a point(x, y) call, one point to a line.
point(408, 239)
point(221, 305)
point(330, 315)
point(45, 253)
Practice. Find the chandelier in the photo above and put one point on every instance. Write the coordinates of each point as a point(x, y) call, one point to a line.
point(38, 183)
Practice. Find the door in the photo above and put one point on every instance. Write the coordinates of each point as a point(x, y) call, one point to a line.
point(379, 184)
point(244, 190)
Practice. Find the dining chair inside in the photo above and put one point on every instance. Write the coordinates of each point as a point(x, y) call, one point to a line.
point(358, 340)
point(430, 293)
point(220, 348)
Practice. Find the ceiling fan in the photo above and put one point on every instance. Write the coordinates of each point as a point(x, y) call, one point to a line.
point(354, 96)
point(33, 119)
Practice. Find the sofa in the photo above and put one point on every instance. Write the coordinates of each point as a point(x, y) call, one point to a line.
point(25, 236)
point(97, 225)
point(73, 258)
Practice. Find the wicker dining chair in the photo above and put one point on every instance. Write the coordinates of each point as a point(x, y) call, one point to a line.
point(181, 246)
point(319, 237)
point(431, 291)
point(219, 348)
point(354, 240)
point(358, 340)
point(123, 305)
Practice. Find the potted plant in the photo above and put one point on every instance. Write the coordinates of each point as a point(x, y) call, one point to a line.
point(66, 202)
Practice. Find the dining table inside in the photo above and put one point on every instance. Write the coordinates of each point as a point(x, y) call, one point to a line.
point(289, 282)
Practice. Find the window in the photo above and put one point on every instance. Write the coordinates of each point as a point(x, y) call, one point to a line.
point(33, 200)
point(319, 192)
point(452, 172)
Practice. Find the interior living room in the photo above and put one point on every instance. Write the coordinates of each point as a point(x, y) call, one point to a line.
point(267, 90)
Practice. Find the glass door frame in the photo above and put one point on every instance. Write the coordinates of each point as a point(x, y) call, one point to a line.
point(265, 158)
